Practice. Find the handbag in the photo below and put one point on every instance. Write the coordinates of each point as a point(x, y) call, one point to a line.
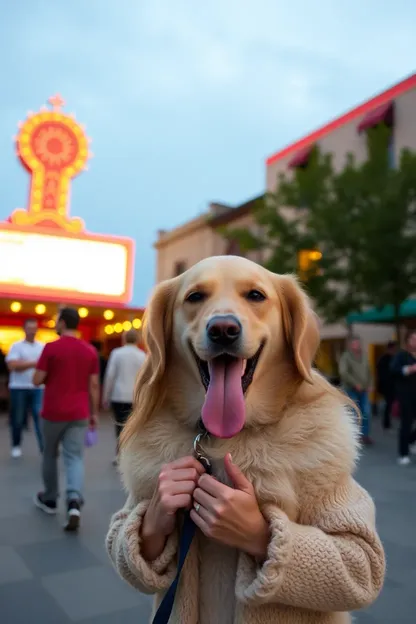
point(91, 437)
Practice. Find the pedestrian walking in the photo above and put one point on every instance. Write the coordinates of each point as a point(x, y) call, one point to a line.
point(403, 367)
point(120, 378)
point(386, 383)
point(69, 368)
point(24, 396)
point(355, 375)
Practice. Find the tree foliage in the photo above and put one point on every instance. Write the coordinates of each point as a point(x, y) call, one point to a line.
point(361, 218)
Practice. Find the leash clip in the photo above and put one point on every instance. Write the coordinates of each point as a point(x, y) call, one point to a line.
point(199, 452)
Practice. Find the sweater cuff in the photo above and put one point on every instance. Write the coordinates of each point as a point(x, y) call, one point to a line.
point(259, 583)
point(157, 574)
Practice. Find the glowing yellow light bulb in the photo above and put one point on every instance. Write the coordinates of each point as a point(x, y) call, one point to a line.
point(126, 325)
point(137, 323)
point(109, 329)
point(108, 315)
point(40, 308)
point(15, 306)
point(118, 328)
point(83, 312)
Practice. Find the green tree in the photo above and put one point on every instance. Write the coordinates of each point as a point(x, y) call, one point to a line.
point(350, 234)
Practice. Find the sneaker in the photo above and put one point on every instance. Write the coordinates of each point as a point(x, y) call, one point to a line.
point(412, 448)
point(47, 506)
point(73, 516)
point(16, 452)
point(403, 461)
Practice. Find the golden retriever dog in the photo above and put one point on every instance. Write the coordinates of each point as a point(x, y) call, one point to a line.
point(230, 348)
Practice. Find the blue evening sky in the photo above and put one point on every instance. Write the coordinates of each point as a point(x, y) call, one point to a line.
point(184, 100)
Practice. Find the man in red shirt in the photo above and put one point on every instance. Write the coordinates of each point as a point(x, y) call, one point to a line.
point(69, 368)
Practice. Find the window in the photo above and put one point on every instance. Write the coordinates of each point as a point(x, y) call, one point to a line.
point(308, 263)
point(180, 267)
point(381, 114)
point(301, 159)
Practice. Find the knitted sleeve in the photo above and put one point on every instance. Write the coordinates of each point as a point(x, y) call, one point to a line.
point(333, 563)
point(123, 544)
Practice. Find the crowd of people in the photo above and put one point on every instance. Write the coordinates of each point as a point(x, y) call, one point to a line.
point(395, 383)
point(63, 385)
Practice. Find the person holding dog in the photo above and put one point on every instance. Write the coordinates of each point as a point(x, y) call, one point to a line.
point(281, 530)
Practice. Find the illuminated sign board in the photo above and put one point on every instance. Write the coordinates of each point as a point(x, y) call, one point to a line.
point(44, 252)
point(59, 266)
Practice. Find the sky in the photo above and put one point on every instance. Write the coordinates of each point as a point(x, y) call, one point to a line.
point(185, 100)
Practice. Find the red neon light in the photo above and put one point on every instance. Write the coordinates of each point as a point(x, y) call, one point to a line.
point(363, 109)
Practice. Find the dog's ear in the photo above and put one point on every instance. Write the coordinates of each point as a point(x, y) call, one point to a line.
point(157, 327)
point(157, 335)
point(300, 324)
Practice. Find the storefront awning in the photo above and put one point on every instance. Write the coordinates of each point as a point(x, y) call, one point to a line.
point(301, 158)
point(385, 314)
point(383, 113)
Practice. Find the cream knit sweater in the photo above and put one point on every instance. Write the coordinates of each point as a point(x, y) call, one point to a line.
point(324, 558)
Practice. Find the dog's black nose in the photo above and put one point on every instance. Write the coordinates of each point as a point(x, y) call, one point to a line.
point(224, 330)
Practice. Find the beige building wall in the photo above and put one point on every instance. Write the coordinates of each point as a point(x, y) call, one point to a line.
point(192, 242)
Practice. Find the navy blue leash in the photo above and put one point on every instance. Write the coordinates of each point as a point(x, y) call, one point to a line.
point(188, 531)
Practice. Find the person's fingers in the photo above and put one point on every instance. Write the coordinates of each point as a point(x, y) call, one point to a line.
point(203, 498)
point(212, 486)
point(200, 522)
point(173, 488)
point(185, 462)
point(185, 474)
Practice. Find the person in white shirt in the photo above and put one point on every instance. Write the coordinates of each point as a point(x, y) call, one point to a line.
point(120, 379)
point(24, 396)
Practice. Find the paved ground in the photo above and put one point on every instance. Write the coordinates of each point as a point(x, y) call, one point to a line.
point(50, 577)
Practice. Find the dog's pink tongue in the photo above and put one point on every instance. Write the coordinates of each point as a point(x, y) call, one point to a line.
point(224, 410)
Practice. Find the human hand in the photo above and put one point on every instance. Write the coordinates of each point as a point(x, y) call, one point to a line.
point(94, 421)
point(174, 490)
point(231, 516)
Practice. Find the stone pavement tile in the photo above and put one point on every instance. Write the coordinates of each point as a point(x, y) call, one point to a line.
point(96, 545)
point(364, 618)
point(16, 506)
point(60, 555)
point(138, 615)
point(29, 528)
point(399, 557)
point(394, 605)
point(92, 592)
point(12, 566)
point(27, 602)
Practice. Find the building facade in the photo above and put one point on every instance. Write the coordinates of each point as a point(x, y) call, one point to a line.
point(180, 248)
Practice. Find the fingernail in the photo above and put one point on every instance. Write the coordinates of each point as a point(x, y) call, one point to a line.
point(230, 457)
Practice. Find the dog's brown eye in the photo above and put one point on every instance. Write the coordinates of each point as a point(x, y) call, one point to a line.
point(195, 297)
point(255, 295)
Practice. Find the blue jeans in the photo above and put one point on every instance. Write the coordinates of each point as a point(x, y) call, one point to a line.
point(362, 401)
point(71, 435)
point(23, 400)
